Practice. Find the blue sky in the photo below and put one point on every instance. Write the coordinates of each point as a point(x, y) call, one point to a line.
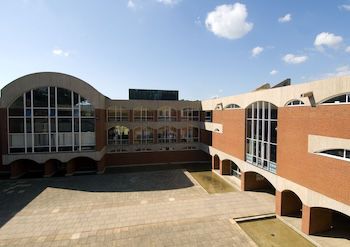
point(202, 48)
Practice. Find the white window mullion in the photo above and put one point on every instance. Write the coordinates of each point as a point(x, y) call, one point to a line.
point(79, 115)
point(72, 109)
point(49, 117)
point(56, 119)
point(25, 123)
point(32, 118)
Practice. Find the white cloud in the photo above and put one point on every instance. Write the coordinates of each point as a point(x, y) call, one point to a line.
point(340, 71)
point(131, 4)
point(327, 39)
point(286, 18)
point(293, 59)
point(60, 52)
point(345, 7)
point(257, 50)
point(347, 49)
point(229, 21)
point(168, 2)
point(273, 72)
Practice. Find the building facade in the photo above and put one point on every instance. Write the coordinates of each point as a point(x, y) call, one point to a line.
point(294, 139)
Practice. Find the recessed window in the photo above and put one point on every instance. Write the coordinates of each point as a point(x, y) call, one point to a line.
point(167, 134)
point(295, 103)
point(340, 99)
point(38, 124)
point(337, 153)
point(232, 106)
point(190, 114)
point(261, 135)
point(118, 135)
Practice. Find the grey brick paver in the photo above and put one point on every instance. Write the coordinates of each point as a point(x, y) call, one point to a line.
point(118, 218)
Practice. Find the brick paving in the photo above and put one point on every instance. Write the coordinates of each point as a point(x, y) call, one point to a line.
point(158, 208)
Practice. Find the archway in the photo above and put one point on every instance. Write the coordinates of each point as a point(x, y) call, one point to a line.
point(291, 205)
point(26, 167)
point(216, 163)
point(253, 181)
point(54, 167)
point(327, 223)
point(228, 167)
point(81, 165)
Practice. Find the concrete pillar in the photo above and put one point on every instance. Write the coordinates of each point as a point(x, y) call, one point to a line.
point(101, 166)
point(243, 181)
point(18, 169)
point(70, 168)
point(50, 168)
point(316, 220)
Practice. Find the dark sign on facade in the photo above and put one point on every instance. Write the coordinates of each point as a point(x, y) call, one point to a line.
point(149, 94)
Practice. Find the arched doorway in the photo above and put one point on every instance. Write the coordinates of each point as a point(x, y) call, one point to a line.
point(27, 168)
point(253, 181)
point(216, 162)
point(291, 204)
point(81, 165)
point(328, 223)
point(228, 167)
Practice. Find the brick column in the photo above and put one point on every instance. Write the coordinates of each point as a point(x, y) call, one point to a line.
point(18, 169)
point(243, 181)
point(316, 220)
point(70, 168)
point(278, 203)
point(50, 168)
point(101, 165)
point(179, 116)
point(131, 136)
point(131, 116)
point(220, 165)
point(155, 137)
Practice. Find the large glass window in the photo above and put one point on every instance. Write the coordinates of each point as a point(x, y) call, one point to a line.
point(167, 114)
point(118, 114)
point(118, 135)
point(51, 119)
point(143, 135)
point(143, 114)
point(189, 134)
point(190, 114)
point(261, 135)
point(167, 135)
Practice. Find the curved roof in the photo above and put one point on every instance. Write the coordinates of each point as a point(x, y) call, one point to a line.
point(50, 79)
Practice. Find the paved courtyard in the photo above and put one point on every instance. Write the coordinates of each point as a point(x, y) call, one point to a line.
point(157, 208)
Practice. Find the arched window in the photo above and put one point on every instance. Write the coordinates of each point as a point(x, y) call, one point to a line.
point(118, 135)
point(167, 114)
point(167, 134)
point(142, 114)
point(190, 114)
point(118, 114)
point(261, 135)
point(337, 153)
point(340, 99)
point(51, 119)
point(189, 134)
point(143, 135)
point(295, 102)
point(232, 106)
